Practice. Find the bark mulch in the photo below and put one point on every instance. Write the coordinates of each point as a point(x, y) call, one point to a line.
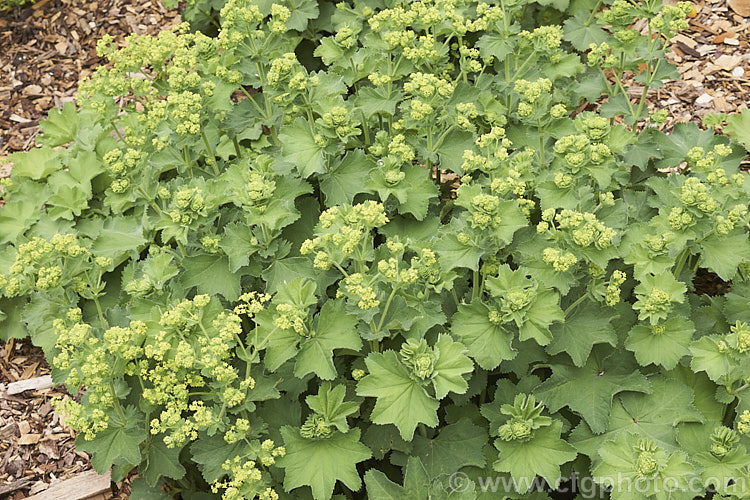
point(45, 49)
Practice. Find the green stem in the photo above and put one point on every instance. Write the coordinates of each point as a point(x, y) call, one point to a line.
point(593, 13)
point(117, 131)
point(150, 200)
point(308, 111)
point(575, 304)
point(618, 83)
point(475, 286)
point(606, 82)
point(100, 313)
point(252, 99)
point(211, 152)
point(681, 262)
point(116, 402)
point(442, 137)
point(646, 87)
point(697, 262)
point(725, 419)
point(266, 237)
point(102, 321)
point(257, 346)
point(341, 270)
point(541, 146)
point(186, 161)
point(365, 128)
point(271, 128)
point(237, 147)
point(522, 67)
point(274, 135)
point(241, 346)
point(385, 309)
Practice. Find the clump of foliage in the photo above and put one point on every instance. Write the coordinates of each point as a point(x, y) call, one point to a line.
point(370, 247)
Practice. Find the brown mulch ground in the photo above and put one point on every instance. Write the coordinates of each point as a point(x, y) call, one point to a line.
point(46, 48)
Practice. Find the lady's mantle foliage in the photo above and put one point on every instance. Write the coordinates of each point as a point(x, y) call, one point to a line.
point(374, 240)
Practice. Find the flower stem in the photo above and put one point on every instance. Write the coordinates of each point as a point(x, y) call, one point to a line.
point(575, 304)
point(211, 152)
point(385, 309)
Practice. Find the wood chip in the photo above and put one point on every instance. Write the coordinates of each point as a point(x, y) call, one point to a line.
point(726, 62)
point(50, 449)
point(688, 50)
point(32, 384)
point(38, 487)
point(741, 7)
point(28, 439)
point(14, 486)
point(723, 24)
point(8, 431)
point(724, 36)
point(685, 40)
point(62, 47)
point(19, 119)
point(704, 99)
point(52, 44)
point(84, 485)
point(24, 427)
point(704, 27)
point(32, 90)
point(720, 104)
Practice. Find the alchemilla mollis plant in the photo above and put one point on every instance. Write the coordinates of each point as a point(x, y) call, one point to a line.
point(386, 250)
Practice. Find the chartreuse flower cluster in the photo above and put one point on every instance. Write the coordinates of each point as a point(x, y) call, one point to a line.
point(59, 269)
point(172, 359)
point(525, 416)
point(249, 478)
point(345, 235)
point(303, 251)
point(629, 460)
